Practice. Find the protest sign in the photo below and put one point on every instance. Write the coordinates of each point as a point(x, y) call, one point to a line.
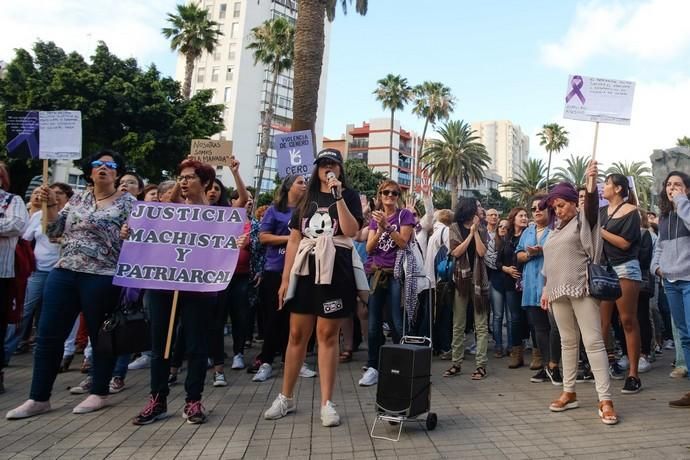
point(22, 134)
point(213, 152)
point(180, 247)
point(599, 99)
point(60, 135)
point(295, 153)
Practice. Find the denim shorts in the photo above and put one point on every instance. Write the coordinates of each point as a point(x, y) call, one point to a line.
point(629, 270)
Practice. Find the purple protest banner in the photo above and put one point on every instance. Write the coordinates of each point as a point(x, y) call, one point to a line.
point(22, 134)
point(180, 247)
point(295, 153)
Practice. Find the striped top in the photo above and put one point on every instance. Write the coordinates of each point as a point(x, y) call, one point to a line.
point(568, 250)
point(13, 219)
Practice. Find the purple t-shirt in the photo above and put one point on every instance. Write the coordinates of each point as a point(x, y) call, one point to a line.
point(384, 254)
point(275, 223)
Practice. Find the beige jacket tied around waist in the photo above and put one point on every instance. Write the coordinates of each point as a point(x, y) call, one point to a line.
point(324, 258)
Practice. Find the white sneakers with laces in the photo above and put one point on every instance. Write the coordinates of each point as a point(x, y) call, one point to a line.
point(370, 377)
point(329, 417)
point(281, 406)
point(238, 361)
point(644, 365)
point(306, 372)
point(264, 373)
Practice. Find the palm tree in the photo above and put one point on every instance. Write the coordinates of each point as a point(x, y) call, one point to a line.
point(575, 171)
point(642, 176)
point(433, 102)
point(191, 33)
point(528, 182)
point(309, 45)
point(554, 138)
point(683, 142)
point(456, 158)
point(393, 92)
point(273, 45)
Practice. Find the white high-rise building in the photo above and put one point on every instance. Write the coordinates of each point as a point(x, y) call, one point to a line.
point(245, 88)
point(505, 143)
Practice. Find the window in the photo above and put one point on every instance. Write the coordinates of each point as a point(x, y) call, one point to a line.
point(233, 29)
point(236, 10)
point(76, 181)
point(228, 74)
point(216, 53)
point(227, 94)
point(231, 51)
point(214, 74)
point(200, 74)
point(223, 9)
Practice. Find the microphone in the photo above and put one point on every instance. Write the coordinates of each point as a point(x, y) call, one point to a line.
point(334, 189)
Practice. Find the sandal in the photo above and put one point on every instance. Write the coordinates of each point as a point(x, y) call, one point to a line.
point(345, 356)
point(479, 373)
point(452, 371)
point(606, 413)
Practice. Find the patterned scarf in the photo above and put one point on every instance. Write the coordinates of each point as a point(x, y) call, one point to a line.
point(405, 262)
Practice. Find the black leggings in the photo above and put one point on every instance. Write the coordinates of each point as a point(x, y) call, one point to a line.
point(276, 322)
point(546, 331)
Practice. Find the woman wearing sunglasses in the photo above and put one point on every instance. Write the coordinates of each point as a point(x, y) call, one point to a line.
point(390, 229)
point(81, 280)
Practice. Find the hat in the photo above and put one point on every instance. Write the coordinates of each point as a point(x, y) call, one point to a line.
point(329, 154)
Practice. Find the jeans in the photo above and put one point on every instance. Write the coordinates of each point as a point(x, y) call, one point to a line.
point(121, 363)
point(499, 311)
point(481, 329)
point(516, 318)
point(66, 294)
point(193, 312)
point(678, 294)
point(383, 296)
point(32, 300)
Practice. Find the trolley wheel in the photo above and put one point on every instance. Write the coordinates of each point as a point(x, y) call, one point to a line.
point(431, 421)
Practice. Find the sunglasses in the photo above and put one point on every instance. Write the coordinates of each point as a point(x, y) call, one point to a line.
point(390, 192)
point(534, 208)
point(107, 164)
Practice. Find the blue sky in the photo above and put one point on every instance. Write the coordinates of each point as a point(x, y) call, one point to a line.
point(503, 59)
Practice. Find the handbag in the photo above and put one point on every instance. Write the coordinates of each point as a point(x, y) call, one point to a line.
point(125, 330)
point(602, 280)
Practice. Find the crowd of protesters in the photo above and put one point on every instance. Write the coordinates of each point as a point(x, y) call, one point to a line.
point(324, 268)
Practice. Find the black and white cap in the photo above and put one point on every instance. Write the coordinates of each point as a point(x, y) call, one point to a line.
point(329, 154)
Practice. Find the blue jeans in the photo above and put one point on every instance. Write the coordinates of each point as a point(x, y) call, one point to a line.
point(499, 311)
point(517, 317)
point(32, 300)
point(678, 294)
point(67, 293)
point(383, 296)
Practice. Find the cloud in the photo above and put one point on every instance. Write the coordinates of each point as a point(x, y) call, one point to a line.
point(649, 30)
point(659, 117)
point(130, 28)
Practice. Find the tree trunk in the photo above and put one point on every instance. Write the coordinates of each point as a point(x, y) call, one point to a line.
point(390, 148)
point(454, 192)
point(309, 46)
point(266, 132)
point(188, 72)
point(548, 172)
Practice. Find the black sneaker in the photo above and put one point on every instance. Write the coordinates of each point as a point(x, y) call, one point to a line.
point(616, 372)
point(254, 368)
point(539, 377)
point(555, 376)
point(172, 379)
point(632, 385)
point(193, 412)
point(156, 409)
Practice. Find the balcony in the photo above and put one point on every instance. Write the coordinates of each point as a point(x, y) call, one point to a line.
point(359, 143)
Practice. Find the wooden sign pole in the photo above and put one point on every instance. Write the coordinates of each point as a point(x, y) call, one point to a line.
point(44, 206)
point(591, 181)
point(171, 326)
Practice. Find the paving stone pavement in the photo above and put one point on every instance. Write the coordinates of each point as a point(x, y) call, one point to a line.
point(503, 416)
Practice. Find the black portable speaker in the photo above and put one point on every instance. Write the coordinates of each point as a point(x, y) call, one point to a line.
point(404, 380)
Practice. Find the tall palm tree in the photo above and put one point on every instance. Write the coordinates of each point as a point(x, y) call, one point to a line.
point(554, 138)
point(191, 33)
point(528, 182)
point(393, 92)
point(433, 102)
point(309, 45)
point(456, 158)
point(683, 141)
point(642, 176)
point(575, 171)
point(273, 45)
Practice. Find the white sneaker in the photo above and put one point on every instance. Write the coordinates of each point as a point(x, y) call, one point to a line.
point(623, 362)
point(219, 380)
point(238, 361)
point(644, 365)
point(306, 372)
point(281, 406)
point(679, 373)
point(370, 377)
point(142, 362)
point(264, 373)
point(329, 417)
point(84, 387)
point(669, 345)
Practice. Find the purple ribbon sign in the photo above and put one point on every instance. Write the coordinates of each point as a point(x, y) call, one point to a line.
point(22, 132)
point(180, 247)
point(576, 84)
point(295, 153)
